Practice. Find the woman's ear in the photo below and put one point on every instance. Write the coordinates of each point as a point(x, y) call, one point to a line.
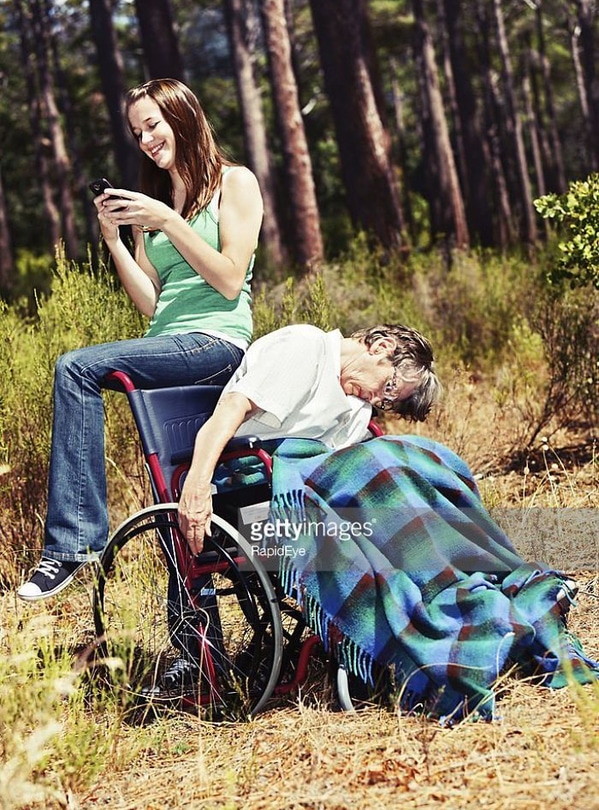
point(383, 345)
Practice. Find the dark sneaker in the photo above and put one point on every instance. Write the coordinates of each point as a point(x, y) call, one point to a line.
point(49, 578)
point(181, 673)
point(566, 595)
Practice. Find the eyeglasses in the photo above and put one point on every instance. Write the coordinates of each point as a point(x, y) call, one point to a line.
point(390, 392)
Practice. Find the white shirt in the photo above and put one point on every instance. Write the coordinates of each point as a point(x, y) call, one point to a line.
point(292, 375)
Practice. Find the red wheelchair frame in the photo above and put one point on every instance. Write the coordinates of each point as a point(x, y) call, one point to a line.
point(276, 656)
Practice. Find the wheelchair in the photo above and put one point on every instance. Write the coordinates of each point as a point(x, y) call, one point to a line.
point(220, 616)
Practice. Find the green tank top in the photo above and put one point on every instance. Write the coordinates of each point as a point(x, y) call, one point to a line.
point(187, 303)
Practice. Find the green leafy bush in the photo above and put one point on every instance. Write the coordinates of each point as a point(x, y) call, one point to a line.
point(578, 211)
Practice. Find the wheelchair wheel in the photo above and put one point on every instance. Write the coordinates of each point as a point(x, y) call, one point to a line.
point(353, 694)
point(212, 620)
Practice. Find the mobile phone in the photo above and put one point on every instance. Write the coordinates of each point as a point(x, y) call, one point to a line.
point(99, 186)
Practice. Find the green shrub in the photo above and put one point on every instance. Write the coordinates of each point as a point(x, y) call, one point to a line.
point(32, 273)
point(577, 212)
point(84, 307)
point(568, 325)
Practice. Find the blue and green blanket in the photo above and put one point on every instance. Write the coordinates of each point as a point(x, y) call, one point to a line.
point(394, 559)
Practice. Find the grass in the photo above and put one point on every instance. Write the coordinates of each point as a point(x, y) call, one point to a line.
point(543, 752)
point(63, 745)
point(63, 748)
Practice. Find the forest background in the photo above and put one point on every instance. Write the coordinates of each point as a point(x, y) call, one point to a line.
point(421, 123)
point(423, 161)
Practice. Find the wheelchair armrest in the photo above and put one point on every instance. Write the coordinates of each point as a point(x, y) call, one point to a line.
point(235, 447)
point(240, 443)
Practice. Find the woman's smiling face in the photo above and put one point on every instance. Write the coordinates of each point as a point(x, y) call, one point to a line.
point(154, 135)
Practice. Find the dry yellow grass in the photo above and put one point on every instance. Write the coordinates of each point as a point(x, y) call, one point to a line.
point(543, 752)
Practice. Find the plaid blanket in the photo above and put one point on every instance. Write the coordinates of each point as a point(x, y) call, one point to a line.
point(394, 559)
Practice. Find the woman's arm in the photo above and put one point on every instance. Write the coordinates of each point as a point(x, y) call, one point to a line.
point(240, 218)
point(195, 504)
point(138, 277)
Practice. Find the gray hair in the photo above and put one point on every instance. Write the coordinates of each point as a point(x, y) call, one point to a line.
point(413, 358)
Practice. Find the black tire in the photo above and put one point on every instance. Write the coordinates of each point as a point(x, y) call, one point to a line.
point(149, 612)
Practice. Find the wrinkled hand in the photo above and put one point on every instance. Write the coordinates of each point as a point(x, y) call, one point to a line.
point(119, 206)
point(195, 514)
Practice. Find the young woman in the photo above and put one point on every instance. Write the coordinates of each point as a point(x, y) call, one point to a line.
point(196, 223)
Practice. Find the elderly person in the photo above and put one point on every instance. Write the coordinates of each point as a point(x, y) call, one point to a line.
point(393, 556)
point(302, 382)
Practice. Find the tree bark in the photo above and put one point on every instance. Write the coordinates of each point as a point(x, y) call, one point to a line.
point(61, 164)
point(304, 213)
point(80, 179)
point(401, 149)
point(112, 77)
point(503, 224)
point(346, 57)
point(451, 95)
point(555, 162)
point(238, 15)
point(447, 205)
point(583, 52)
point(6, 254)
point(159, 40)
point(534, 127)
point(52, 215)
point(514, 126)
point(476, 159)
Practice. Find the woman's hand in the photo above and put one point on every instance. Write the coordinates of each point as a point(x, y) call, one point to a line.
point(195, 504)
point(138, 277)
point(117, 206)
point(195, 513)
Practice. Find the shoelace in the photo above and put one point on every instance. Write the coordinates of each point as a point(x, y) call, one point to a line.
point(49, 568)
point(178, 672)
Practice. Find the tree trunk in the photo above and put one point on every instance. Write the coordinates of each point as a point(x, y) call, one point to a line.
point(297, 162)
point(239, 16)
point(70, 124)
point(449, 214)
point(346, 57)
point(503, 224)
point(52, 214)
point(514, 127)
point(61, 164)
point(557, 177)
point(534, 126)
point(113, 85)
point(159, 40)
point(477, 159)
point(6, 255)
point(583, 53)
point(401, 150)
point(457, 138)
point(537, 111)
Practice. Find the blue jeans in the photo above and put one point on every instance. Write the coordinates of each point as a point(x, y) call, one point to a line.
point(77, 519)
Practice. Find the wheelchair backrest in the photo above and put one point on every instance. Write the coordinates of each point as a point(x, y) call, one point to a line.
point(168, 420)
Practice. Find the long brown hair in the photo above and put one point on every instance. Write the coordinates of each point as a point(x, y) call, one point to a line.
point(198, 158)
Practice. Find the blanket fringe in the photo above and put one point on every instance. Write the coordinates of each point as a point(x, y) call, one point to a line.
point(347, 653)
